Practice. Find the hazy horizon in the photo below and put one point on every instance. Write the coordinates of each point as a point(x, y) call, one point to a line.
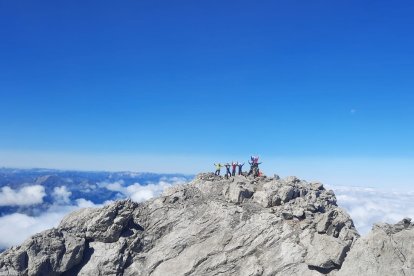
point(355, 172)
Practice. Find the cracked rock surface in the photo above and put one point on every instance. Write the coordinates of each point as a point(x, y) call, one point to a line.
point(216, 226)
point(386, 250)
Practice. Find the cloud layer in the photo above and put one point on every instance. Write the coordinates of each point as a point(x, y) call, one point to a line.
point(29, 195)
point(17, 227)
point(61, 194)
point(368, 205)
point(138, 192)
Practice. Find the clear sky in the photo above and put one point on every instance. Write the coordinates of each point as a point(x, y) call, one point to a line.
point(97, 84)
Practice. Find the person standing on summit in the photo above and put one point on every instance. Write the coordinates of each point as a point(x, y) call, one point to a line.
point(218, 168)
point(254, 166)
point(234, 166)
point(240, 168)
point(228, 173)
point(254, 159)
point(252, 163)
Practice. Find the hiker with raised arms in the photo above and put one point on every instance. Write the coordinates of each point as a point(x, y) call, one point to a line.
point(234, 166)
point(240, 168)
point(254, 166)
point(218, 168)
point(228, 173)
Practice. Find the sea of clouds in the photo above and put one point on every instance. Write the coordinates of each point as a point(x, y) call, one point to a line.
point(16, 227)
point(365, 205)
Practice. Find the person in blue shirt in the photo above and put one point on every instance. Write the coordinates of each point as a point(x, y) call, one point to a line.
point(240, 168)
point(228, 173)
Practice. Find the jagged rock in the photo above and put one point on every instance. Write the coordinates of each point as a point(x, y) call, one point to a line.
point(48, 253)
point(104, 257)
point(316, 186)
point(263, 198)
point(292, 179)
point(386, 250)
point(237, 192)
point(299, 213)
point(311, 208)
point(323, 222)
point(105, 225)
point(326, 253)
point(236, 226)
point(287, 215)
point(332, 222)
point(286, 193)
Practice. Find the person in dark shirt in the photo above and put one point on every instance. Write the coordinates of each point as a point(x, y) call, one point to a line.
point(240, 168)
point(254, 167)
point(228, 173)
point(234, 166)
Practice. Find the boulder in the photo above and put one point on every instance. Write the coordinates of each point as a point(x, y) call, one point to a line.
point(48, 253)
point(287, 193)
point(299, 213)
point(326, 253)
point(237, 192)
point(386, 250)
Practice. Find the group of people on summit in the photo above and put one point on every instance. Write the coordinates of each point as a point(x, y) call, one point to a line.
point(254, 167)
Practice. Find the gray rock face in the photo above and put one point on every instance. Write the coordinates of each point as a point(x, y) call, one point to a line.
point(327, 252)
point(386, 250)
point(49, 253)
point(211, 226)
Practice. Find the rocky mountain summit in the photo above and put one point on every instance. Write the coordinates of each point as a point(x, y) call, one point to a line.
point(218, 226)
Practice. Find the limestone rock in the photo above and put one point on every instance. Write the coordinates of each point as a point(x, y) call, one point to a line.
point(211, 226)
point(286, 193)
point(326, 253)
point(104, 224)
point(48, 253)
point(237, 192)
point(299, 213)
point(386, 250)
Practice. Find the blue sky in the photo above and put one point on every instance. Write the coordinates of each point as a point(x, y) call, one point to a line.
point(98, 84)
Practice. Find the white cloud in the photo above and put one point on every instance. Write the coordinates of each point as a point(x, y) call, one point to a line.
point(138, 192)
point(61, 194)
point(115, 186)
point(367, 206)
point(28, 195)
point(83, 203)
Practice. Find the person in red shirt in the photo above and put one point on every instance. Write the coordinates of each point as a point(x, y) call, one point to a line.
point(234, 166)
